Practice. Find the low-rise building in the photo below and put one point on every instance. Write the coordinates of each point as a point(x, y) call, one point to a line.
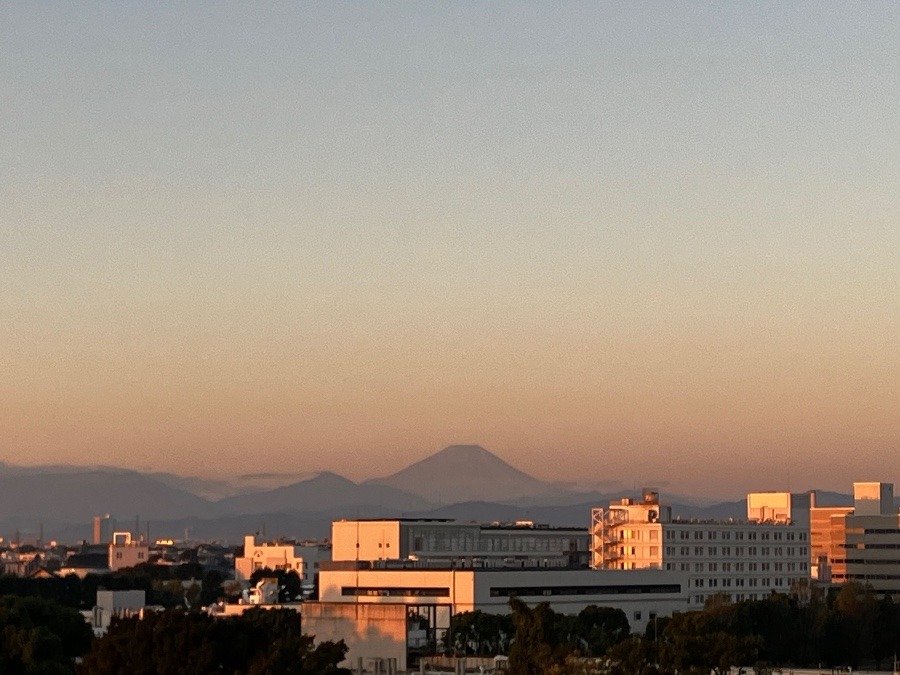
point(111, 604)
point(303, 558)
point(394, 609)
point(127, 552)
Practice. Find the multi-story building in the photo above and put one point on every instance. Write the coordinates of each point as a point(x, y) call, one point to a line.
point(448, 542)
point(304, 559)
point(127, 552)
point(745, 560)
point(859, 543)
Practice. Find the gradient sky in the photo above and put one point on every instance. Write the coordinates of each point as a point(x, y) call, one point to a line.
point(613, 243)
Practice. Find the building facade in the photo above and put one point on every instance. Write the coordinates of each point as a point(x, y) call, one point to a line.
point(745, 560)
point(859, 543)
point(641, 594)
point(126, 552)
point(443, 542)
point(304, 559)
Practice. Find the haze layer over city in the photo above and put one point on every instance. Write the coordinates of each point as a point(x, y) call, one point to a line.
point(615, 245)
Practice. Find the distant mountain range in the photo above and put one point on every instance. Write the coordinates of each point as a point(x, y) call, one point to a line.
point(464, 482)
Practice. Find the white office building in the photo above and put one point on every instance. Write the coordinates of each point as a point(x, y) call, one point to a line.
point(746, 560)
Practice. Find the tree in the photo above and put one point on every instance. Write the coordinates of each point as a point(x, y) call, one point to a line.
point(174, 641)
point(532, 651)
point(479, 632)
point(599, 628)
point(40, 636)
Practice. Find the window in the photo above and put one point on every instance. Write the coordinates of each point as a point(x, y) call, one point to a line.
point(637, 616)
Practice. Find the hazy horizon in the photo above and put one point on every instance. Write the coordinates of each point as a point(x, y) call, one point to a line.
point(610, 243)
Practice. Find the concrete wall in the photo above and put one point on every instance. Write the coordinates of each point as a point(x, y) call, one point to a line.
point(369, 630)
point(377, 540)
point(384, 586)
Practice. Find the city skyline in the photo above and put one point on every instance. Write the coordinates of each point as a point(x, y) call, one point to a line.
point(609, 243)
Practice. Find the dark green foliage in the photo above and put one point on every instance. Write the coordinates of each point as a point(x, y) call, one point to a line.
point(532, 652)
point(290, 586)
point(40, 636)
point(597, 629)
point(850, 628)
point(174, 641)
point(154, 580)
point(479, 633)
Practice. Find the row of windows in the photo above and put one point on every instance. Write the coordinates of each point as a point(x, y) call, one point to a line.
point(738, 567)
point(735, 597)
point(540, 591)
point(739, 535)
point(395, 592)
point(726, 551)
point(482, 543)
point(728, 583)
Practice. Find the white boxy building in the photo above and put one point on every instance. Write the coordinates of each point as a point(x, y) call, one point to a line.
point(747, 560)
point(641, 594)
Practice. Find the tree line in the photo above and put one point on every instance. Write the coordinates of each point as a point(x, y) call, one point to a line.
point(42, 637)
point(849, 626)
